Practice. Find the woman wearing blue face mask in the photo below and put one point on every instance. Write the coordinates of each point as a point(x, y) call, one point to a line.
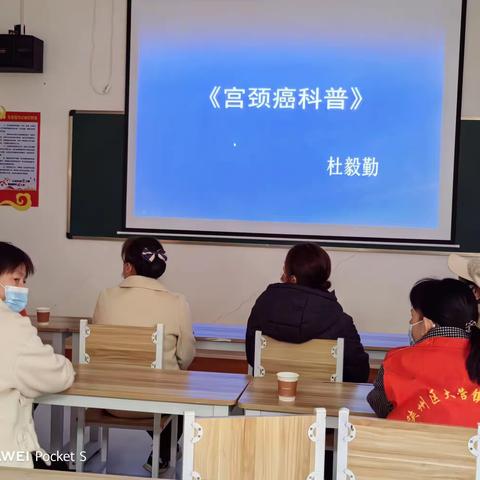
point(436, 379)
point(28, 368)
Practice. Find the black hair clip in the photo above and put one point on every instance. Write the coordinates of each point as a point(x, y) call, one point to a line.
point(469, 325)
point(150, 256)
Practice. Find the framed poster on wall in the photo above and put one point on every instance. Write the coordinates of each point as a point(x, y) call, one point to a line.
point(19, 159)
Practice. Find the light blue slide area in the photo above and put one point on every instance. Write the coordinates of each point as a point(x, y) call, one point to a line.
point(272, 164)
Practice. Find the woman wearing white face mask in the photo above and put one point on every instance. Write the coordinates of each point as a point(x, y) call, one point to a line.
point(436, 379)
point(28, 368)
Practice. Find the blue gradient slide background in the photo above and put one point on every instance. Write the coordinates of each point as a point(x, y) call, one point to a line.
point(188, 167)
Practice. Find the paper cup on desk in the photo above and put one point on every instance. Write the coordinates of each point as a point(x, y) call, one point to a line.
point(43, 314)
point(287, 386)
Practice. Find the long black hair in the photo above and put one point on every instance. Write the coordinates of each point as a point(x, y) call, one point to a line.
point(451, 303)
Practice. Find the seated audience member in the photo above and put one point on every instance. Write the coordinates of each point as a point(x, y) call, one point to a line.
point(302, 308)
point(468, 269)
point(435, 380)
point(141, 300)
point(28, 368)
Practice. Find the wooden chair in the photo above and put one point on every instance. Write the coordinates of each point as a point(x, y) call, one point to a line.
point(316, 359)
point(378, 449)
point(121, 345)
point(254, 448)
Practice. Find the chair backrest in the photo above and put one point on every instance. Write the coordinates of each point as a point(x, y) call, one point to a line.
point(254, 448)
point(316, 359)
point(373, 448)
point(112, 344)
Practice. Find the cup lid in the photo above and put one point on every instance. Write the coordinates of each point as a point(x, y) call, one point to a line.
point(288, 375)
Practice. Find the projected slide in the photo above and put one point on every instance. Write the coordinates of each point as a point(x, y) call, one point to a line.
point(293, 118)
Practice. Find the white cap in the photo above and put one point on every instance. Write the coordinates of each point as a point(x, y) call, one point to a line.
point(465, 267)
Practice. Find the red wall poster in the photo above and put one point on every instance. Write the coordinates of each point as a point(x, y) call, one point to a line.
point(19, 159)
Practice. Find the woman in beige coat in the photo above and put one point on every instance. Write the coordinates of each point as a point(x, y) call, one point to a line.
point(28, 368)
point(141, 300)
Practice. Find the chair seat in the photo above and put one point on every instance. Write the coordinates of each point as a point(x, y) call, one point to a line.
point(100, 418)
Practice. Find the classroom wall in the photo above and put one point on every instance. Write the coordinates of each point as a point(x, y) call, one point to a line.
point(220, 282)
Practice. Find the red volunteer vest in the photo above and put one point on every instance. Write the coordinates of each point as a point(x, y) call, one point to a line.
point(429, 383)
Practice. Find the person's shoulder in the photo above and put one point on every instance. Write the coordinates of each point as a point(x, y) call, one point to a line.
point(8, 315)
point(176, 296)
point(273, 288)
point(14, 324)
point(164, 294)
point(291, 291)
point(285, 289)
point(109, 292)
point(325, 299)
point(399, 352)
point(272, 291)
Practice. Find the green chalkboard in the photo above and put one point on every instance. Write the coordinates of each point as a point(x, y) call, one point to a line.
point(467, 214)
point(98, 170)
point(97, 167)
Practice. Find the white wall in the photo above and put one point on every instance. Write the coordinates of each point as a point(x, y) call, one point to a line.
point(220, 282)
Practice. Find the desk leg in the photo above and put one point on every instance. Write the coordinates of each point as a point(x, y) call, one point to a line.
point(57, 340)
point(75, 348)
point(173, 443)
point(104, 447)
point(156, 444)
point(94, 436)
point(335, 451)
point(56, 428)
point(79, 459)
point(71, 444)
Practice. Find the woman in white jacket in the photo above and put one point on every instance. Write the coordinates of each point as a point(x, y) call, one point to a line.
point(28, 368)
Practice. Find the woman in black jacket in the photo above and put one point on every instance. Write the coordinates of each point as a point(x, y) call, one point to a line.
point(301, 308)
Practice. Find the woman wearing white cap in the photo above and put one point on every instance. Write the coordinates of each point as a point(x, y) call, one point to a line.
point(468, 269)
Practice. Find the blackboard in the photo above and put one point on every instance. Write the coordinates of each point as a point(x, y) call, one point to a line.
point(98, 171)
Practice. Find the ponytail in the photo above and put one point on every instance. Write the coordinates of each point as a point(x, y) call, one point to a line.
point(473, 359)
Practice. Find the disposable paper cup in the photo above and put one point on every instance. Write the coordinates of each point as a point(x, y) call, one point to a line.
point(287, 386)
point(43, 314)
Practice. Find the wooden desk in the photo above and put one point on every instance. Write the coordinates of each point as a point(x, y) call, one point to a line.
point(261, 397)
point(31, 474)
point(374, 341)
point(378, 344)
point(151, 390)
point(213, 336)
point(59, 324)
point(56, 332)
point(142, 389)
